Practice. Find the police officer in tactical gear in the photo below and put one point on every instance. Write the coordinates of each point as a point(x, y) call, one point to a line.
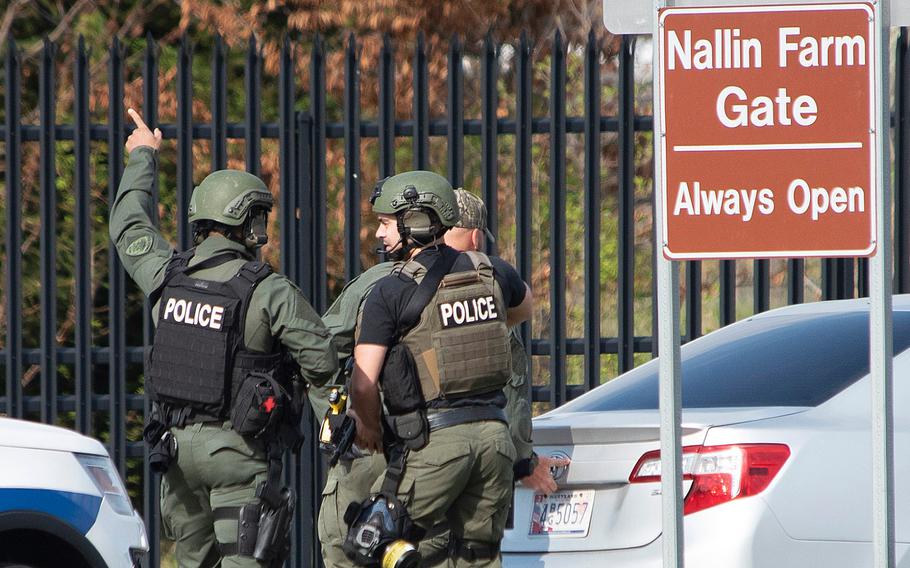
point(435, 339)
point(231, 337)
point(471, 234)
point(351, 479)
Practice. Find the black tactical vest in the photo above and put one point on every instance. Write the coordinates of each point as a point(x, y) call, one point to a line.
point(199, 357)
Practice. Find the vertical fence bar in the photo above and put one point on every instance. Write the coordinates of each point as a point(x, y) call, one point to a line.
point(862, 277)
point(489, 135)
point(219, 105)
point(184, 140)
point(834, 278)
point(829, 283)
point(455, 110)
point(307, 471)
point(626, 244)
point(13, 234)
point(557, 222)
point(150, 103)
point(386, 108)
point(83, 242)
point(655, 250)
point(351, 160)
point(902, 164)
point(761, 286)
point(116, 275)
point(252, 118)
point(150, 479)
point(796, 273)
point(592, 211)
point(287, 186)
point(317, 111)
point(48, 239)
point(150, 111)
point(303, 149)
point(727, 292)
point(843, 281)
point(287, 196)
point(693, 300)
point(523, 174)
point(421, 140)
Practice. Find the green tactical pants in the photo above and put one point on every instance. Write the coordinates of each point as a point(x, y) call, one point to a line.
point(463, 477)
point(215, 467)
point(347, 482)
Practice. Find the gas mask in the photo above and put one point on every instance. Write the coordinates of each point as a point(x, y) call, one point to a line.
point(379, 531)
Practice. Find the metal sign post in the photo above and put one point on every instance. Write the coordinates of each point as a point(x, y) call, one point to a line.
point(708, 129)
point(880, 318)
point(668, 351)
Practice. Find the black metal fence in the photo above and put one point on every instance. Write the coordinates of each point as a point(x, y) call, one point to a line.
point(302, 137)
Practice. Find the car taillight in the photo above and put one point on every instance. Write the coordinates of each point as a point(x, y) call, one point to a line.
point(719, 473)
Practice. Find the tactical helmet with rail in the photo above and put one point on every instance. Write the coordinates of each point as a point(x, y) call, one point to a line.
point(423, 202)
point(231, 198)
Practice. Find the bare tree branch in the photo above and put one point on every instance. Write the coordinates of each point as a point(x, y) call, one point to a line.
point(7, 22)
point(64, 25)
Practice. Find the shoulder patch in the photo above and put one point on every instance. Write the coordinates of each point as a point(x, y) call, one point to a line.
point(140, 246)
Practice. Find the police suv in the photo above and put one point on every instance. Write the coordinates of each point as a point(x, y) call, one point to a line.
point(62, 502)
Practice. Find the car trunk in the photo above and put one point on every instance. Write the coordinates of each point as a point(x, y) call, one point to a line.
point(604, 448)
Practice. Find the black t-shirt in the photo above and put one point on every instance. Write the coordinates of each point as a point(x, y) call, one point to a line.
point(384, 306)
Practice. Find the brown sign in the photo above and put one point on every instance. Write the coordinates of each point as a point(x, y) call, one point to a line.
point(768, 143)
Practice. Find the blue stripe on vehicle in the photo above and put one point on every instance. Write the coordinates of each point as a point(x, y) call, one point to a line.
point(76, 509)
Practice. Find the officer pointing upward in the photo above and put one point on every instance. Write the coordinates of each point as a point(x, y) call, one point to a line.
point(230, 338)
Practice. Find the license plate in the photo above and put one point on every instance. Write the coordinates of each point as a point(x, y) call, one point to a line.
point(564, 513)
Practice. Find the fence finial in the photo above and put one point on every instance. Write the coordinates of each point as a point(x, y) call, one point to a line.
point(421, 42)
point(11, 46)
point(186, 45)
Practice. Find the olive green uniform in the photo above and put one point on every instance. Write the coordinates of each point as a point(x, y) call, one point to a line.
point(351, 481)
point(215, 466)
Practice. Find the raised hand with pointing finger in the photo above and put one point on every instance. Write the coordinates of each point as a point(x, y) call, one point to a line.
point(211, 367)
point(142, 135)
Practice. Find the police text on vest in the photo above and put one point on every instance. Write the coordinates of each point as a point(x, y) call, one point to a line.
point(472, 310)
point(189, 312)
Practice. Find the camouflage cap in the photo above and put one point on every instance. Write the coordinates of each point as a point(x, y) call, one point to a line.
point(473, 212)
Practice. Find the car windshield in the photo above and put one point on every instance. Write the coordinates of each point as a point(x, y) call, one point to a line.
point(789, 360)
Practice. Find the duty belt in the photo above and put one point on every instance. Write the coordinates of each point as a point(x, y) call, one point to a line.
point(454, 416)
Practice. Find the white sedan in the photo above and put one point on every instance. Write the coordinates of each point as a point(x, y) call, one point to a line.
point(777, 459)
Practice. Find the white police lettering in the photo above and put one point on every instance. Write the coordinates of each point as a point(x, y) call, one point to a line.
point(468, 311)
point(191, 313)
